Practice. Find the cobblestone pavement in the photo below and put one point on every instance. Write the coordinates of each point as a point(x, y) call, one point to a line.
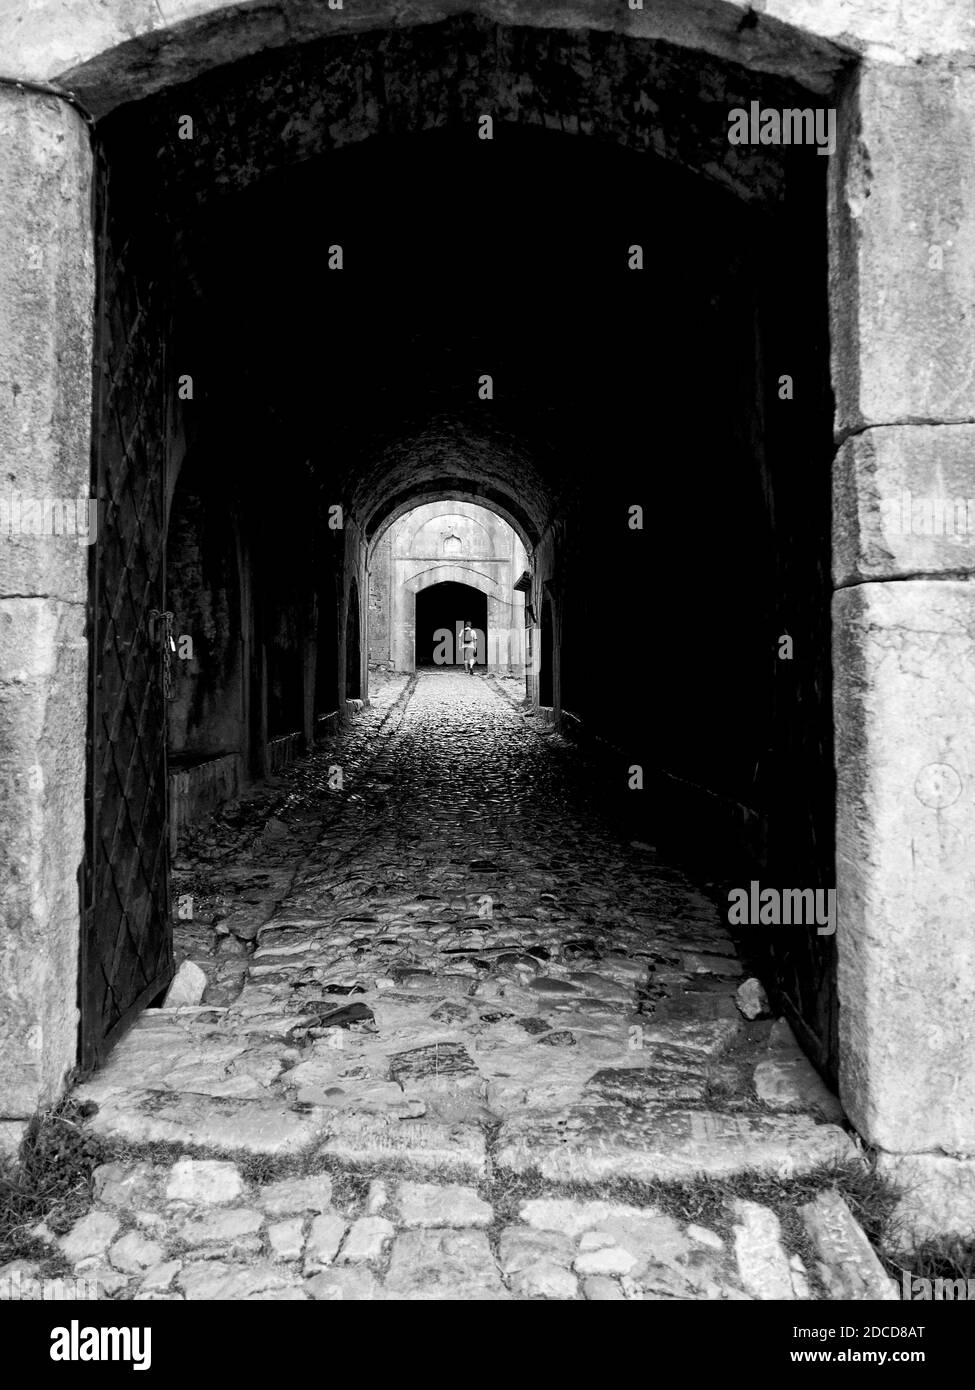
point(447, 1014)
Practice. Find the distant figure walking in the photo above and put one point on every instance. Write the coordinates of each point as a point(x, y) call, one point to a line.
point(468, 645)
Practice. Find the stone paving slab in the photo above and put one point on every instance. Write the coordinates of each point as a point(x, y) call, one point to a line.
point(848, 1266)
point(444, 1264)
point(432, 1204)
point(764, 1265)
point(599, 1142)
point(366, 1139)
point(155, 1116)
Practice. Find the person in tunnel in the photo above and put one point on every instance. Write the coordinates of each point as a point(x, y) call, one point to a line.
point(468, 645)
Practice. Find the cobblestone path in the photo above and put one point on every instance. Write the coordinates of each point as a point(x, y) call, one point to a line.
point(458, 1041)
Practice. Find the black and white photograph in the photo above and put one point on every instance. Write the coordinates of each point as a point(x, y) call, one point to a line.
point(487, 670)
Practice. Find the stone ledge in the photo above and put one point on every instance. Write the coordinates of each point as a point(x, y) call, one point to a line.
point(596, 1143)
point(283, 751)
point(212, 1122)
point(198, 790)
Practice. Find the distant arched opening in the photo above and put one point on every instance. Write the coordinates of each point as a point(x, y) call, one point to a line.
point(441, 611)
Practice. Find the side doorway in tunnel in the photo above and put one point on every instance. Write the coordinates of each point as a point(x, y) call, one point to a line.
point(353, 648)
point(327, 648)
point(441, 612)
point(546, 686)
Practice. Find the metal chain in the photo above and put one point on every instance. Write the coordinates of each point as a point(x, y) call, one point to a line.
point(161, 633)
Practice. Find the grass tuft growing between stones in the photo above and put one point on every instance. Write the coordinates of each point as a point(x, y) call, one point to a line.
point(51, 1182)
point(704, 1200)
point(872, 1199)
point(940, 1259)
point(256, 1168)
point(350, 1182)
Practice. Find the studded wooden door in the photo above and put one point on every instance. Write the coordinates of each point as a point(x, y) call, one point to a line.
point(127, 954)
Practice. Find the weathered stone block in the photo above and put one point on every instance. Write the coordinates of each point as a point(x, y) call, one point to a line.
point(351, 1284)
point(214, 1279)
point(665, 1146)
point(161, 1276)
point(848, 1266)
point(522, 1248)
point(545, 1280)
point(570, 1218)
point(134, 1253)
point(761, 1257)
point(324, 1238)
point(11, 1137)
point(904, 700)
point(188, 986)
point(366, 1240)
point(941, 26)
point(204, 1181)
point(124, 1185)
point(287, 1238)
point(91, 1236)
point(433, 1204)
point(602, 1289)
point(605, 1259)
point(904, 503)
point(207, 1121)
point(456, 1265)
point(297, 1195)
point(902, 248)
point(43, 660)
point(229, 1227)
point(45, 339)
point(793, 1082)
point(425, 1143)
point(937, 1197)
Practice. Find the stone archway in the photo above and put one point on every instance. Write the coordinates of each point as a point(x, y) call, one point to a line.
point(409, 555)
point(902, 271)
point(455, 575)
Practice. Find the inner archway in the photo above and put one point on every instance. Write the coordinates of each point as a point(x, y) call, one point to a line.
point(436, 565)
point(441, 612)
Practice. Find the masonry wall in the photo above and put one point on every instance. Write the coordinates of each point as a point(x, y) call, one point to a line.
point(904, 363)
point(46, 301)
